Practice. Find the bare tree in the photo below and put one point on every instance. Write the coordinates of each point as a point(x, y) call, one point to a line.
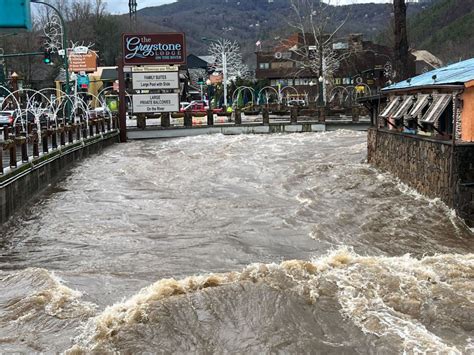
point(313, 50)
point(228, 61)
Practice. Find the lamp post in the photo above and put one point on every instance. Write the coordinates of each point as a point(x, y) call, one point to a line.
point(224, 66)
point(64, 40)
point(209, 83)
point(14, 79)
point(321, 91)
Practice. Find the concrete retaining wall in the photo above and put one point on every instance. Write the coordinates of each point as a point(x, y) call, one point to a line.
point(24, 183)
point(436, 169)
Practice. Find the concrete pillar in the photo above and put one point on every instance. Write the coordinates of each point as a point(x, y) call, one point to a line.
point(141, 121)
point(322, 114)
point(165, 119)
point(266, 116)
point(44, 140)
point(54, 139)
point(78, 131)
point(70, 134)
point(62, 136)
point(188, 119)
point(238, 116)
point(355, 113)
point(293, 114)
point(35, 137)
point(12, 149)
point(24, 147)
point(91, 128)
point(210, 117)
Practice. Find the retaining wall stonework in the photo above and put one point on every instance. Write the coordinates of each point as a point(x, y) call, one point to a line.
point(19, 187)
point(430, 166)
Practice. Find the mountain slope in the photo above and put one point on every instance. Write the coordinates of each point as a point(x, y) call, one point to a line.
point(446, 29)
point(247, 21)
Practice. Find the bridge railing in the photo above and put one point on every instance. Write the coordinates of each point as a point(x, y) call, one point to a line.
point(256, 115)
point(26, 142)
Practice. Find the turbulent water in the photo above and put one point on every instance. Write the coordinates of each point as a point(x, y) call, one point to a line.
point(243, 244)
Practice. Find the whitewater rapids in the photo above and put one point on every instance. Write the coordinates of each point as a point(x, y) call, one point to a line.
point(243, 244)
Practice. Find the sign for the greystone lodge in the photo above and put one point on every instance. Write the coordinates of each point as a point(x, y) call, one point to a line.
point(154, 49)
point(155, 81)
point(146, 103)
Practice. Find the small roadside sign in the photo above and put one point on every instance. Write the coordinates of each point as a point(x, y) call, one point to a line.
point(155, 81)
point(83, 62)
point(146, 103)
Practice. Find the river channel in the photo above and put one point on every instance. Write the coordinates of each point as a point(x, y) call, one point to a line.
point(241, 244)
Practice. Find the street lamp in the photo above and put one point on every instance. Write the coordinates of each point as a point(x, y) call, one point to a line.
point(321, 89)
point(14, 78)
point(209, 83)
point(64, 38)
point(224, 65)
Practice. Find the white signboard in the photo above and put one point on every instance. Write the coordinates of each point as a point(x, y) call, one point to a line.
point(155, 81)
point(146, 103)
point(81, 50)
point(340, 46)
point(154, 68)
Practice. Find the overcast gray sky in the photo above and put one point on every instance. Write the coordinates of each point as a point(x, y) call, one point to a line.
point(121, 6)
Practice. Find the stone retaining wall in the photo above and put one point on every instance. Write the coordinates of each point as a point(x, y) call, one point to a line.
point(430, 166)
point(23, 184)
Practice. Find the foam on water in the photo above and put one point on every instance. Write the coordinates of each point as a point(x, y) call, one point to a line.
point(419, 304)
point(34, 305)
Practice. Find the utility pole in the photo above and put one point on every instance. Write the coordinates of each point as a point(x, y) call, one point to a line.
point(224, 76)
point(132, 10)
point(401, 39)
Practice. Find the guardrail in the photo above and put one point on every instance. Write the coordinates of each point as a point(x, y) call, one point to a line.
point(25, 143)
point(257, 115)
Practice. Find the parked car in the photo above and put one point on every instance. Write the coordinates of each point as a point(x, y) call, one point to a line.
point(296, 103)
point(7, 118)
point(194, 106)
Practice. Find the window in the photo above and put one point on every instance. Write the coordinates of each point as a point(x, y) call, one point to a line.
point(420, 104)
point(437, 107)
point(404, 107)
point(391, 107)
point(264, 66)
point(273, 82)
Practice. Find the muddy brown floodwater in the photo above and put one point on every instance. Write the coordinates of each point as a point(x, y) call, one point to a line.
point(244, 244)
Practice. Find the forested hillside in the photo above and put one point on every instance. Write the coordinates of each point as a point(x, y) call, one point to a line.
point(247, 21)
point(446, 29)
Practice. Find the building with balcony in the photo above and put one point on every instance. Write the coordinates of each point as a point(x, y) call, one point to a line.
point(364, 63)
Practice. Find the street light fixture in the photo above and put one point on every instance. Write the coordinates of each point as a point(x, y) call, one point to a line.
point(64, 38)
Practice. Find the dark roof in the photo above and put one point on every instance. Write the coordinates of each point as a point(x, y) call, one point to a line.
point(109, 75)
point(194, 62)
